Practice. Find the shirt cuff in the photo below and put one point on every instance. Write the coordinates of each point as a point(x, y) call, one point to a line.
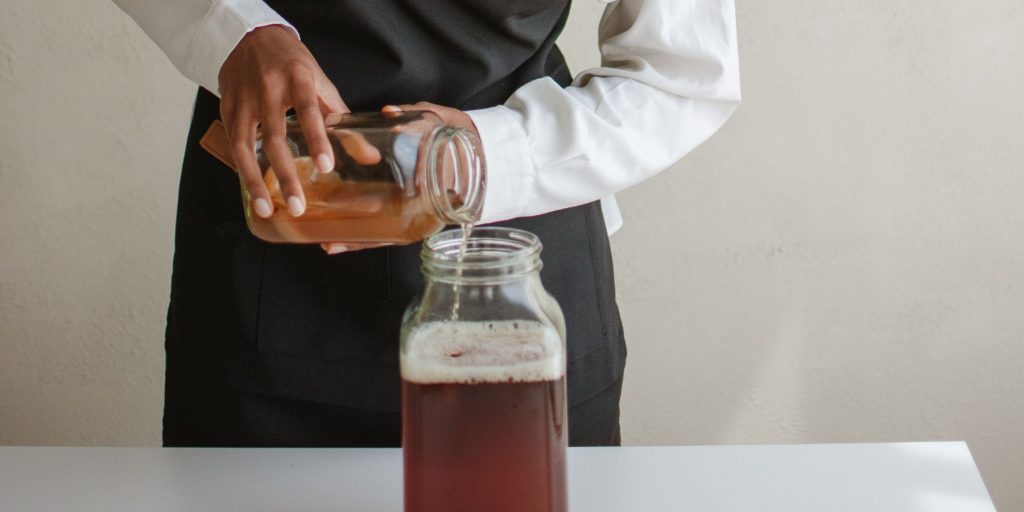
point(509, 171)
point(217, 35)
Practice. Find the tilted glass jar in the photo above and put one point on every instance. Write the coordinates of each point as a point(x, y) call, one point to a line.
point(483, 379)
point(398, 178)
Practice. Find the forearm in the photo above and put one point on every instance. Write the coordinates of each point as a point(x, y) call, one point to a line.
point(669, 79)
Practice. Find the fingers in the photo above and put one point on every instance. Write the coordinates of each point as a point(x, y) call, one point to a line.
point(328, 96)
point(449, 116)
point(356, 145)
point(307, 109)
point(281, 159)
point(241, 137)
point(422, 106)
point(338, 248)
point(419, 166)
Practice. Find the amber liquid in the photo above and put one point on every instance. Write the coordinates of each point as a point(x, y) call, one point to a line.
point(489, 447)
point(345, 211)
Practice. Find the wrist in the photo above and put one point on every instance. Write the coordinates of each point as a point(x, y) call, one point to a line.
point(272, 30)
point(274, 34)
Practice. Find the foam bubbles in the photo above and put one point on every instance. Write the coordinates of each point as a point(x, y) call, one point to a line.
point(477, 352)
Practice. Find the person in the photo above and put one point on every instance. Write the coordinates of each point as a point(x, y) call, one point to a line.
point(297, 345)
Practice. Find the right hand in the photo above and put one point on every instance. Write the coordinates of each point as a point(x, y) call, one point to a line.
point(269, 72)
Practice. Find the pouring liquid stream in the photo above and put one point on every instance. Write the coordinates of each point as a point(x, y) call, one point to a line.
point(467, 230)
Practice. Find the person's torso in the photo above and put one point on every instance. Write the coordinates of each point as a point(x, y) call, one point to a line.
point(325, 328)
point(466, 54)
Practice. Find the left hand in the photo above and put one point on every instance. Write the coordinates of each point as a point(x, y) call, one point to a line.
point(449, 116)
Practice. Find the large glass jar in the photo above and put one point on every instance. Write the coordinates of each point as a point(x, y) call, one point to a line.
point(483, 379)
point(398, 178)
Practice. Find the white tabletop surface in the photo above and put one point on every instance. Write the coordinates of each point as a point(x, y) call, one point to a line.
point(891, 477)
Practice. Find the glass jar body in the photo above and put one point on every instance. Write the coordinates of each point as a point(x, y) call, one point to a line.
point(483, 382)
point(398, 177)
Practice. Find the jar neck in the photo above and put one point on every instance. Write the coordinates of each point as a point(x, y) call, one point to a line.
point(455, 173)
point(492, 256)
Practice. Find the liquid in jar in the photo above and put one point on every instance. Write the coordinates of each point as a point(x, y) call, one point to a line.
point(484, 418)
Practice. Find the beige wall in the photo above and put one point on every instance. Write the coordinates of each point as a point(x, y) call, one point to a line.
point(843, 262)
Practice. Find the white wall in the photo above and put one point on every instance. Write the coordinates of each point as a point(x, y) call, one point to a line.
point(843, 262)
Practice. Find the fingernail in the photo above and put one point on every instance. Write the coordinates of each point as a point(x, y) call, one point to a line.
point(262, 207)
point(391, 108)
point(296, 206)
point(324, 163)
point(337, 249)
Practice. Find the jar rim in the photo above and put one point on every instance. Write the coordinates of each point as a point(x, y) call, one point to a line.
point(454, 164)
point(513, 251)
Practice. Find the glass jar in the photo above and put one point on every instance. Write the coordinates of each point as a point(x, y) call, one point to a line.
point(398, 178)
point(483, 379)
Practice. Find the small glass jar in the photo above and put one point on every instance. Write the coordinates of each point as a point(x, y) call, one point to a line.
point(398, 178)
point(483, 379)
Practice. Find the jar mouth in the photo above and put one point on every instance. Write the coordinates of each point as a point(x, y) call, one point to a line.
point(456, 175)
point(490, 252)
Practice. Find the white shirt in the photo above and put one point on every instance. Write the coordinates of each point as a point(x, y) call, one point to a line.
point(669, 78)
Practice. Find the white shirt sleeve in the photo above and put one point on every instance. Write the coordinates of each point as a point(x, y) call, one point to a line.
point(198, 35)
point(669, 79)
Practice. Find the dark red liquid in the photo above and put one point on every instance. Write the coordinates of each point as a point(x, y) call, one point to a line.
point(484, 447)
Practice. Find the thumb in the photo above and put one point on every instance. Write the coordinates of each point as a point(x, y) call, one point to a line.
point(330, 99)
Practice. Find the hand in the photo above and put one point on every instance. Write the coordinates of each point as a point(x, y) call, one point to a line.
point(450, 117)
point(269, 72)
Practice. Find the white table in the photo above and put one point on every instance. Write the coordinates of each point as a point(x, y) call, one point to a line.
point(896, 477)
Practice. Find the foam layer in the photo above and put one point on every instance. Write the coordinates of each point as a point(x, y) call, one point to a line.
point(479, 352)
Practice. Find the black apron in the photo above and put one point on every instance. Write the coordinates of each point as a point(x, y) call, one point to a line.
point(284, 345)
